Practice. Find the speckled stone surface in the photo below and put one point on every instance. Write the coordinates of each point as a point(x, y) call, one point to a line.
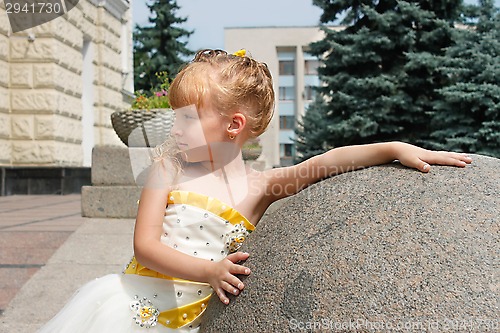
point(385, 248)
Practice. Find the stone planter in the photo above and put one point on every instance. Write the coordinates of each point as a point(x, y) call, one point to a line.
point(143, 128)
point(251, 153)
point(251, 150)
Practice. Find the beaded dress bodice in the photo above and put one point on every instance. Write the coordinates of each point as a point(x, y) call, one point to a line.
point(202, 226)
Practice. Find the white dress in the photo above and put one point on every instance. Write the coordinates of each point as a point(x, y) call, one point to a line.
point(143, 300)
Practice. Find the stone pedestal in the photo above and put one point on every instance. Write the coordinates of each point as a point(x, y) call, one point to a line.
point(114, 191)
point(382, 249)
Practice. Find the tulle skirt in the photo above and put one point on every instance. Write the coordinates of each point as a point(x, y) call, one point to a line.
point(106, 305)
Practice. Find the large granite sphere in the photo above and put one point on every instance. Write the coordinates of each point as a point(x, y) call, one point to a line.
point(385, 248)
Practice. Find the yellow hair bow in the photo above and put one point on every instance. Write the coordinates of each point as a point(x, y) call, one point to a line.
point(240, 53)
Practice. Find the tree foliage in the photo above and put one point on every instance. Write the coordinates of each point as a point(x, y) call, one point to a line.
point(159, 46)
point(384, 76)
point(467, 114)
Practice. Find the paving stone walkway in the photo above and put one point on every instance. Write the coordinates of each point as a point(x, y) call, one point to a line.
point(48, 251)
point(32, 228)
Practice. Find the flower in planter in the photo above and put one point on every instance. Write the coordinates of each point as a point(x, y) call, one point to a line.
point(157, 99)
point(149, 120)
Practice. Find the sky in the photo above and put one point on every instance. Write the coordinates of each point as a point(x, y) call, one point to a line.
point(208, 18)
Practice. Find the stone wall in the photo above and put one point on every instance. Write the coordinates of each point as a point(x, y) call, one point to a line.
point(41, 84)
point(5, 146)
point(383, 249)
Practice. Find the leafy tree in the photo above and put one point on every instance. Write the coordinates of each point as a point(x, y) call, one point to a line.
point(160, 46)
point(467, 116)
point(373, 89)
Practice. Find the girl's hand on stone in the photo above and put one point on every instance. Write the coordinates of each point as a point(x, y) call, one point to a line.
point(221, 275)
point(421, 159)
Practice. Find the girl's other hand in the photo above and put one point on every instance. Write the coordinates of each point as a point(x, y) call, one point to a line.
point(221, 275)
point(421, 159)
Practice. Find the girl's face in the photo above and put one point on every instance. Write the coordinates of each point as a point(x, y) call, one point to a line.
point(195, 131)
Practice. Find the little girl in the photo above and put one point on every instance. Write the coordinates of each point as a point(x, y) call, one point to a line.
point(200, 203)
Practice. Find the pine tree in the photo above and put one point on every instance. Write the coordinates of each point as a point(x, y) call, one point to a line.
point(311, 132)
point(467, 116)
point(159, 46)
point(373, 90)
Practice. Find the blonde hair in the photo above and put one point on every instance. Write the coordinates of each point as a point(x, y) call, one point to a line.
point(229, 83)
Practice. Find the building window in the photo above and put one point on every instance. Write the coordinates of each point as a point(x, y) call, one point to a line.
point(286, 93)
point(287, 67)
point(287, 122)
point(286, 150)
point(309, 93)
point(311, 67)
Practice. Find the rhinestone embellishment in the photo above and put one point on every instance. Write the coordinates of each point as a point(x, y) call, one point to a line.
point(145, 313)
point(236, 237)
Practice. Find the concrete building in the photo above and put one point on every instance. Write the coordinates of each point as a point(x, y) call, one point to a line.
point(59, 83)
point(294, 70)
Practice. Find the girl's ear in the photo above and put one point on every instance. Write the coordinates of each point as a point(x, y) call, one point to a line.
point(238, 123)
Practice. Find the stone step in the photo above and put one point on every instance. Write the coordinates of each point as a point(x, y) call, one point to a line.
point(110, 201)
point(113, 165)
